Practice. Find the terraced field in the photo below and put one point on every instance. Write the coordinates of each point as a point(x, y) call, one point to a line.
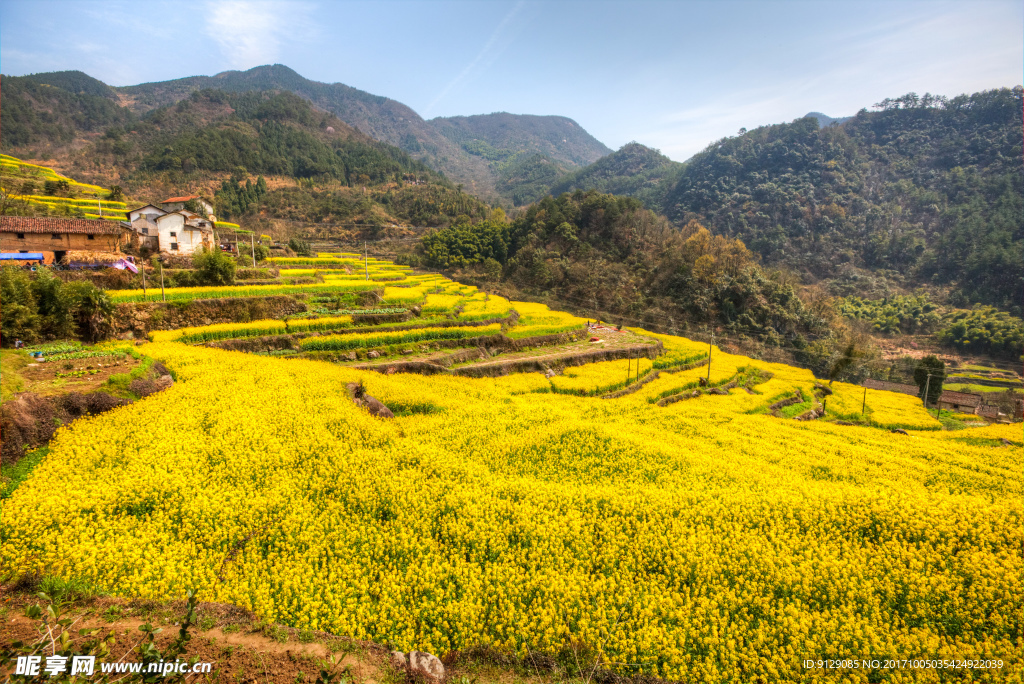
point(90, 199)
point(623, 509)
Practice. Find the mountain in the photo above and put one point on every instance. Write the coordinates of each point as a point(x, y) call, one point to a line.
point(218, 143)
point(825, 120)
point(633, 170)
point(503, 134)
point(464, 148)
point(55, 108)
point(928, 188)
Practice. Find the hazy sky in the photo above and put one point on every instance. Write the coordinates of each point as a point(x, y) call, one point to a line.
point(672, 75)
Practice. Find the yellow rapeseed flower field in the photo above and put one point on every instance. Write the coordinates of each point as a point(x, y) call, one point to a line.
point(703, 541)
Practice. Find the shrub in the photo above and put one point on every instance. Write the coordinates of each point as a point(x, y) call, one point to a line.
point(214, 267)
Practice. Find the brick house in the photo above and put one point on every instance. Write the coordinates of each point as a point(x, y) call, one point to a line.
point(959, 401)
point(54, 237)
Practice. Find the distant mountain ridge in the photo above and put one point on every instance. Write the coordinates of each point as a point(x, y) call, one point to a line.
point(825, 120)
point(439, 142)
point(635, 170)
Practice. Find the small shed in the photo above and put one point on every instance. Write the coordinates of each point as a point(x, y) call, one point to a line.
point(959, 401)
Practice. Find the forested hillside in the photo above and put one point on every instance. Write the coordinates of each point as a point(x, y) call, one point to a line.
point(338, 173)
point(475, 151)
point(633, 170)
point(928, 187)
point(608, 254)
point(51, 110)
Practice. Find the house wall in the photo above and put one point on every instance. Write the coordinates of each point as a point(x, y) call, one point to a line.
point(147, 231)
point(171, 223)
point(44, 242)
point(149, 213)
point(178, 206)
point(187, 239)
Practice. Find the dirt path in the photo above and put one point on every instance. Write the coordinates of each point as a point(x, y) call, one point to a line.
point(238, 647)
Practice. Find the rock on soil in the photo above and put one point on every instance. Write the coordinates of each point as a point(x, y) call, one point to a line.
point(426, 666)
point(376, 408)
point(399, 661)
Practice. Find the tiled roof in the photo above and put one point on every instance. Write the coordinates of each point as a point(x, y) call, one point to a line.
point(960, 399)
point(169, 200)
point(163, 211)
point(891, 387)
point(27, 224)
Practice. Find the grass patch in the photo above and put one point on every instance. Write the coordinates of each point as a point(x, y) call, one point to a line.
point(401, 409)
point(68, 590)
point(794, 410)
point(11, 382)
point(12, 476)
point(972, 389)
point(119, 382)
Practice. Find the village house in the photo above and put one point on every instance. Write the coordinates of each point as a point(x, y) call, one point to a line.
point(988, 412)
point(182, 232)
point(959, 401)
point(143, 222)
point(54, 237)
point(178, 203)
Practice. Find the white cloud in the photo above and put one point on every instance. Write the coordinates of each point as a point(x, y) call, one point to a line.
point(251, 32)
point(499, 40)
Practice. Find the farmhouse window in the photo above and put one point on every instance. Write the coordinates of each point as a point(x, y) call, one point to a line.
point(21, 236)
point(55, 236)
point(22, 251)
point(173, 234)
point(174, 246)
point(90, 237)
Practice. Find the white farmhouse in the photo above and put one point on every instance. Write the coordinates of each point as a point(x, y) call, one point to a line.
point(143, 222)
point(178, 203)
point(182, 232)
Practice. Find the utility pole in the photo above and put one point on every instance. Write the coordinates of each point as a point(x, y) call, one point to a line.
point(864, 406)
point(163, 297)
point(710, 345)
point(252, 241)
point(629, 361)
point(365, 261)
point(142, 265)
point(927, 384)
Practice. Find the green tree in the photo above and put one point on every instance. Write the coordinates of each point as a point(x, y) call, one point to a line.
point(56, 303)
point(19, 318)
point(214, 267)
point(300, 247)
point(936, 368)
point(93, 312)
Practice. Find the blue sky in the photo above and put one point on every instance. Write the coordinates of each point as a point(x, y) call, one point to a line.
point(672, 75)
